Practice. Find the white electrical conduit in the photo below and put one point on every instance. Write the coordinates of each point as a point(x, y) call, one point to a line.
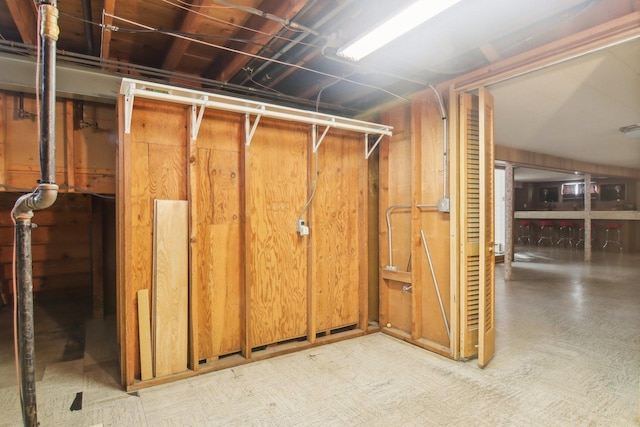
point(445, 145)
point(435, 283)
point(389, 209)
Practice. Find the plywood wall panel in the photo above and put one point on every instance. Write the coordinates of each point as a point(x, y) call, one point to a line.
point(221, 131)
point(435, 224)
point(335, 232)
point(220, 252)
point(153, 165)
point(141, 205)
point(168, 177)
point(276, 258)
point(88, 151)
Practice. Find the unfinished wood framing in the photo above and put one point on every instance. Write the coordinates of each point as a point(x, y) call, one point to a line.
point(409, 305)
point(257, 287)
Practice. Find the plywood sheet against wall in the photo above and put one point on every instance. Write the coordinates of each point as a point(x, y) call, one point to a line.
point(435, 224)
point(170, 286)
point(335, 232)
point(219, 243)
point(153, 166)
point(276, 255)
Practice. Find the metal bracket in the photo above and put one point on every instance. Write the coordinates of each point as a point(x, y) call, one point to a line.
point(249, 129)
point(317, 141)
point(196, 120)
point(128, 107)
point(368, 151)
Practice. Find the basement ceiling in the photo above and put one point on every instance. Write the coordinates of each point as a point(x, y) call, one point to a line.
point(284, 51)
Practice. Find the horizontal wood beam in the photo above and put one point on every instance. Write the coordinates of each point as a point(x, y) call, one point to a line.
point(615, 31)
point(109, 8)
point(226, 65)
point(179, 46)
point(25, 16)
point(547, 161)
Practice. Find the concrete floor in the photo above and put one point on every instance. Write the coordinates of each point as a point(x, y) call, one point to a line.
point(568, 353)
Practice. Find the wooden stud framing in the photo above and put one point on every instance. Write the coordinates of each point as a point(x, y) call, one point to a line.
point(194, 255)
point(69, 135)
point(417, 255)
point(3, 138)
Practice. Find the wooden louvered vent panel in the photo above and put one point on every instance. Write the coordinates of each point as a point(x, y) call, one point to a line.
point(470, 225)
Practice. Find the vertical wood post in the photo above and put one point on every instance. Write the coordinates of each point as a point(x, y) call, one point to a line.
point(587, 217)
point(508, 224)
point(69, 173)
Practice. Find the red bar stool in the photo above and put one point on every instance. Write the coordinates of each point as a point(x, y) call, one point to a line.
point(526, 232)
point(611, 227)
point(566, 233)
point(581, 234)
point(546, 232)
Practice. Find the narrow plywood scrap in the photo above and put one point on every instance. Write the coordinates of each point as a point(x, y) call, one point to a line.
point(170, 286)
point(144, 322)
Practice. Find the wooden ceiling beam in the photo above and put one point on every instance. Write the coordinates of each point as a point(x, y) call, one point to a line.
point(491, 53)
point(226, 65)
point(179, 46)
point(25, 16)
point(109, 8)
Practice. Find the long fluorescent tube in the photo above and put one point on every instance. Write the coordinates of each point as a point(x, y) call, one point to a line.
point(409, 18)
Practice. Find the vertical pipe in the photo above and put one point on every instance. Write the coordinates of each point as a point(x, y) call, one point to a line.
point(43, 197)
point(26, 338)
point(49, 35)
point(88, 30)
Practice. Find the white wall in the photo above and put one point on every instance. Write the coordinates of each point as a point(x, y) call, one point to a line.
point(500, 210)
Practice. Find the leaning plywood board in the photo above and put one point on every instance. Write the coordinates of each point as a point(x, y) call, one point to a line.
point(145, 335)
point(170, 286)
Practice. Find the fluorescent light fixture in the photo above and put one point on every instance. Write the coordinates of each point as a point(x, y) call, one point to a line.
point(409, 18)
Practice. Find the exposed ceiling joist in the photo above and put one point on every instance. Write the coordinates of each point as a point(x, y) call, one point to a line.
point(489, 51)
point(226, 65)
point(179, 46)
point(25, 17)
point(109, 10)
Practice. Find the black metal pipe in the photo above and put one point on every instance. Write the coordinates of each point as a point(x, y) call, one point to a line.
point(88, 29)
point(41, 198)
point(26, 336)
point(48, 108)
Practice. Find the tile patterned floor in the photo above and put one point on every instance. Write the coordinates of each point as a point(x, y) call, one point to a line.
point(568, 353)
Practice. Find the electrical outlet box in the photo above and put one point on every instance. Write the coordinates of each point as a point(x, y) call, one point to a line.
point(444, 205)
point(302, 228)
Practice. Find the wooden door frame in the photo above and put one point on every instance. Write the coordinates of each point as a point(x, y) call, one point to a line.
point(616, 31)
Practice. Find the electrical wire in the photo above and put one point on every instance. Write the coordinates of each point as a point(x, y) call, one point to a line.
point(315, 186)
point(169, 32)
point(264, 58)
point(222, 21)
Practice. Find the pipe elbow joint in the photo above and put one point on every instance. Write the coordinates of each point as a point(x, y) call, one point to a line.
point(44, 196)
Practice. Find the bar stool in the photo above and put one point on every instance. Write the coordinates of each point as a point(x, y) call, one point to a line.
point(526, 231)
point(546, 232)
point(611, 227)
point(581, 234)
point(566, 233)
